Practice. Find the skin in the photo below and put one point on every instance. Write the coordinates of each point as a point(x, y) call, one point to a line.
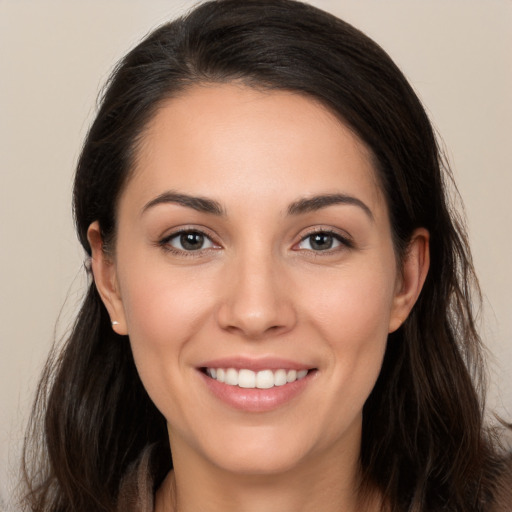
point(259, 288)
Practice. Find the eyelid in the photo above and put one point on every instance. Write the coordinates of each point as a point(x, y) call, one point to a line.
point(343, 238)
point(164, 241)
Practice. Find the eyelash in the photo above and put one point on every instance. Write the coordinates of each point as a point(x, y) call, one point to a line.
point(165, 243)
point(344, 241)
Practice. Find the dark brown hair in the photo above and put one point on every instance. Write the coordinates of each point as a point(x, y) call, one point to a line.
point(425, 446)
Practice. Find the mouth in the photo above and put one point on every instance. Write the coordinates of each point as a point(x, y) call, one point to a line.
point(262, 379)
point(257, 384)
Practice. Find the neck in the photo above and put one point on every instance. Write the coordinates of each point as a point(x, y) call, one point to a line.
point(328, 482)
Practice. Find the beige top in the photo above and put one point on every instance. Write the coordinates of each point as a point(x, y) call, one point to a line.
point(136, 491)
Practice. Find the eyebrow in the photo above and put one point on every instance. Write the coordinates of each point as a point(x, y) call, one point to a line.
point(201, 204)
point(314, 203)
point(304, 205)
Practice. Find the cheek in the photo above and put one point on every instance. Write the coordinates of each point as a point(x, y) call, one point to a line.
point(164, 309)
point(162, 302)
point(352, 316)
point(355, 305)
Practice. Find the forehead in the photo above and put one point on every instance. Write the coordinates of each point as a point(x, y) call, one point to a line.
point(231, 140)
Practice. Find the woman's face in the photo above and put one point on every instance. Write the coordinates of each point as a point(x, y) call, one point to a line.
point(254, 246)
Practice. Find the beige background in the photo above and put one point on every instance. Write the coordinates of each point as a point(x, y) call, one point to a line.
point(55, 55)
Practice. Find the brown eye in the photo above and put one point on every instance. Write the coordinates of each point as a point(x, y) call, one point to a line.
point(323, 241)
point(192, 241)
point(189, 241)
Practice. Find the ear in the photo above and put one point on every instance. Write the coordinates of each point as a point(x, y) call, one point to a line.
point(410, 281)
point(105, 279)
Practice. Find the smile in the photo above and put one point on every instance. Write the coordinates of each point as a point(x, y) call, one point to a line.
point(249, 379)
point(257, 385)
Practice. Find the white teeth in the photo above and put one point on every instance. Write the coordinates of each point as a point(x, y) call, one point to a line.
point(246, 379)
point(231, 377)
point(280, 378)
point(301, 374)
point(264, 379)
point(291, 375)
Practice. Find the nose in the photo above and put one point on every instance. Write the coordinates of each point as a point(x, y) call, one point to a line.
point(257, 300)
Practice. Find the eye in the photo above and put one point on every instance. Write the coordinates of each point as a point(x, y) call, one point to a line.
point(188, 241)
point(323, 241)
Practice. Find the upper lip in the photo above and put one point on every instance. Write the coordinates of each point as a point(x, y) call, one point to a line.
point(255, 364)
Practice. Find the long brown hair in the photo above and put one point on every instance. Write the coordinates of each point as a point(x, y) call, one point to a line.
point(424, 446)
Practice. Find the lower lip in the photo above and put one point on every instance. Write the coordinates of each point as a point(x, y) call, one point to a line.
point(257, 400)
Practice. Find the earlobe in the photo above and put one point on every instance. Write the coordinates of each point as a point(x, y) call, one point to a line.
point(414, 272)
point(105, 279)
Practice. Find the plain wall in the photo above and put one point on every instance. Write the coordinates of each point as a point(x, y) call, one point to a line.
point(54, 56)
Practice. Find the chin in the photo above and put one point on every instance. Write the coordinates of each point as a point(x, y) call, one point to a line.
point(263, 464)
point(258, 450)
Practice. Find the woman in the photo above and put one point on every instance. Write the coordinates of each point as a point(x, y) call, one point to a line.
point(281, 296)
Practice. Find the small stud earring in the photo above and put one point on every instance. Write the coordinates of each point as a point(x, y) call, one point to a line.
point(115, 323)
